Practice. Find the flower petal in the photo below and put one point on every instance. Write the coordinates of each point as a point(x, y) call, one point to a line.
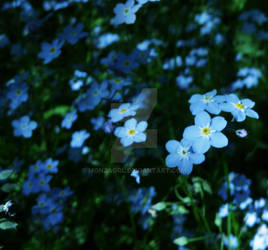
point(172, 160)
point(131, 123)
point(191, 132)
point(202, 119)
point(201, 145)
point(218, 140)
point(142, 126)
point(172, 146)
point(218, 123)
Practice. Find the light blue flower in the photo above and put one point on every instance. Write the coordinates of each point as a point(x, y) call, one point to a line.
point(206, 132)
point(231, 241)
point(251, 219)
point(78, 138)
point(182, 156)
point(50, 51)
point(97, 122)
point(125, 110)
point(24, 127)
point(125, 13)
point(209, 102)
point(68, 120)
point(131, 132)
point(135, 174)
point(239, 108)
point(184, 81)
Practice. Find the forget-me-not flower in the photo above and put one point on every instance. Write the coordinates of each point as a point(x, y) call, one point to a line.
point(24, 127)
point(131, 132)
point(206, 132)
point(182, 156)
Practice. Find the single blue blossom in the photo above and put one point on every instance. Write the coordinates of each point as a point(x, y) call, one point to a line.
point(78, 138)
point(182, 156)
point(131, 132)
point(68, 120)
point(24, 127)
point(239, 108)
point(50, 51)
point(206, 132)
point(135, 174)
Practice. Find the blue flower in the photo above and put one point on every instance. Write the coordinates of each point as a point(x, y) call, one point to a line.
point(73, 33)
point(123, 111)
point(93, 96)
point(239, 108)
point(183, 81)
point(118, 83)
point(24, 127)
point(42, 182)
point(68, 120)
point(50, 166)
point(182, 156)
point(131, 132)
point(35, 169)
point(209, 102)
point(106, 40)
point(125, 13)
point(206, 132)
point(97, 122)
point(50, 51)
point(126, 63)
point(231, 241)
point(78, 138)
point(17, 94)
point(135, 174)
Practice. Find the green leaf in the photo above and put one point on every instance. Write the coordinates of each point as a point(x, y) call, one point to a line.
point(159, 206)
point(59, 110)
point(9, 187)
point(5, 174)
point(5, 225)
point(181, 241)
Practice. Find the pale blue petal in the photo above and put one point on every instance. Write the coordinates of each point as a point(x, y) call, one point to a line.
point(232, 98)
point(197, 107)
point(227, 107)
point(140, 137)
point(248, 103)
point(195, 98)
point(202, 119)
point(201, 145)
point(185, 167)
point(218, 140)
point(239, 116)
point(142, 126)
point(126, 141)
point(172, 146)
point(211, 93)
point(172, 160)
point(213, 108)
point(197, 158)
point(251, 113)
point(191, 132)
point(131, 123)
point(218, 123)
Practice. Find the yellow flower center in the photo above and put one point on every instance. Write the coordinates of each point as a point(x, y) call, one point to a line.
point(117, 80)
point(52, 50)
point(207, 99)
point(49, 166)
point(126, 11)
point(206, 131)
point(18, 92)
point(131, 131)
point(239, 106)
point(123, 111)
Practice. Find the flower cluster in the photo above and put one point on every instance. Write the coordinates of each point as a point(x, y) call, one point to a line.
point(207, 131)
